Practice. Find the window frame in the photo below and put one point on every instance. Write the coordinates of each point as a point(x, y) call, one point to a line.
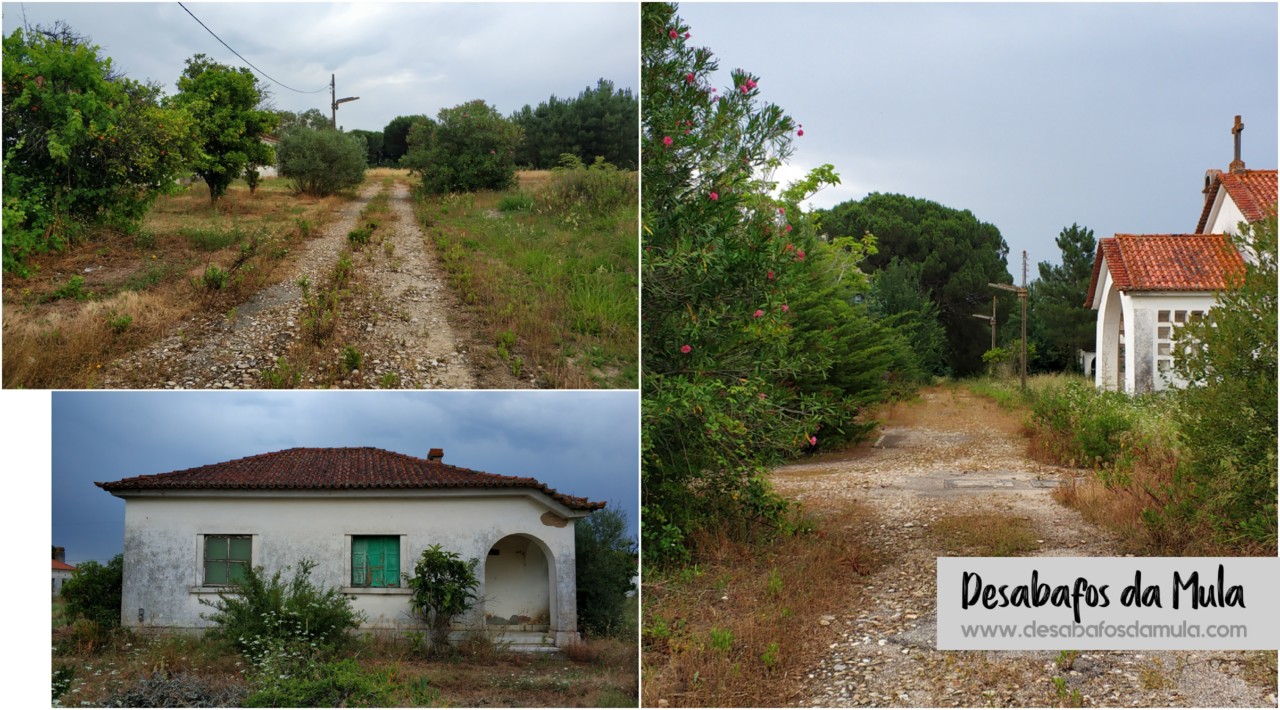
point(390, 542)
point(203, 559)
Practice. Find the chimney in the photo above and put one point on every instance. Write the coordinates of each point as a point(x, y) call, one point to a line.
point(1237, 165)
point(60, 554)
point(435, 454)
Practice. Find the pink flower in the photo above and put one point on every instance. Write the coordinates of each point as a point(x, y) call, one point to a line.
point(759, 313)
point(770, 277)
point(673, 34)
point(782, 210)
point(813, 441)
point(686, 349)
point(800, 132)
point(789, 247)
point(666, 140)
point(744, 88)
point(686, 35)
point(800, 255)
point(715, 196)
point(785, 308)
point(788, 228)
point(688, 78)
point(762, 395)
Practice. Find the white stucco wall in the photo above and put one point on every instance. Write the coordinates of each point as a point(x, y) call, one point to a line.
point(164, 534)
point(1140, 311)
point(59, 576)
point(1224, 217)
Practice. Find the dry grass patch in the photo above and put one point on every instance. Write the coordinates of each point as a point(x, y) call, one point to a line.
point(113, 293)
point(985, 534)
point(740, 627)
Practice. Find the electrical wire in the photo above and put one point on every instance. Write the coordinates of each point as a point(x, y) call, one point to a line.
point(246, 61)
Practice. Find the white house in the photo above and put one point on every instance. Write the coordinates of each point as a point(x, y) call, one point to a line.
point(61, 570)
point(1146, 286)
point(363, 515)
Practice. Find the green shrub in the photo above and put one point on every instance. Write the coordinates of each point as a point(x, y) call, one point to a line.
point(214, 278)
point(360, 235)
point(515, 202)
point(119, 322)
point(351, 359)
point(84, 145)
point(444, 586)
point(73, 289)
point(1228, 413)
point(93, 592)
point(264, 609)
point(282, 375)
point(596, 189)
point(606, 563)
point(337, 684)
point(471, 147)
point(62, 677)
point(321, 162)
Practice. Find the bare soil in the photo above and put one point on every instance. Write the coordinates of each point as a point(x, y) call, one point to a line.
point(951, 456)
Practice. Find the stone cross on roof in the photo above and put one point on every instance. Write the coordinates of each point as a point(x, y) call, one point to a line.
point(1237, 165)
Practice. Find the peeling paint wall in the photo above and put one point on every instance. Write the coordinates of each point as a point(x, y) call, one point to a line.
point(164, 555)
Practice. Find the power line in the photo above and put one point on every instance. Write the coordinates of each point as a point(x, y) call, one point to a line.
point(246, 61)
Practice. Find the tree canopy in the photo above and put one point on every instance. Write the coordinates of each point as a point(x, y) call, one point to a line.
point(600, 122)
point(230, 123)
point(83, 146)
point(395, 137)
point(1058, 318)
point(958, 256)
point(470, 147)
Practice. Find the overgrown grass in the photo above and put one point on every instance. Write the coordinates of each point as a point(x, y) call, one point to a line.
point(113, 293)
point(737, 626)
point(150, 670)
point(553, 287)
point(1131, 448)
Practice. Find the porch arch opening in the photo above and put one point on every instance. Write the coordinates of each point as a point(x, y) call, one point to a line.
point(519, 585)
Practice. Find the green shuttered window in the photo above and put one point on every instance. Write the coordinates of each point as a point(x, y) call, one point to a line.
point(375, 561)
point(226, 557)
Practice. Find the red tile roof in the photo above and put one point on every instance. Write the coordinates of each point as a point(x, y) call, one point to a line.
point(1166, 262)
point(334, 469)
point(1253, 191)
point(63, 566)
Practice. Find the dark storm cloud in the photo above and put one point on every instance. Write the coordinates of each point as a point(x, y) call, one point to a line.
point(581, 443)
point(399, 58)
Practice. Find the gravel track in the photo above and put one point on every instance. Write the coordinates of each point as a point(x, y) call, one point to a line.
point(399, 316)
point(952, 455)
point(406, 307)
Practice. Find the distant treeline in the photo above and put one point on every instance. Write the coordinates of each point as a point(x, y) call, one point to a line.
point(600, 122)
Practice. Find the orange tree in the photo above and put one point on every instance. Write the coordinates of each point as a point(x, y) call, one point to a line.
point(83, 146)
point(752, 348)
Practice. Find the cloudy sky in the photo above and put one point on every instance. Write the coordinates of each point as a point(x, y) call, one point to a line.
point(399, 58)
point(1032, 116)
point(580, 443)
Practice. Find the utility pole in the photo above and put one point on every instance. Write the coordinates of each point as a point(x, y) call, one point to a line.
point(334, 100)
point(992, 319)
point(1022, 296)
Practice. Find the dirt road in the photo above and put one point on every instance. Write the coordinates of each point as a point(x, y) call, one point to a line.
point(400, 317)
point(952, 454)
